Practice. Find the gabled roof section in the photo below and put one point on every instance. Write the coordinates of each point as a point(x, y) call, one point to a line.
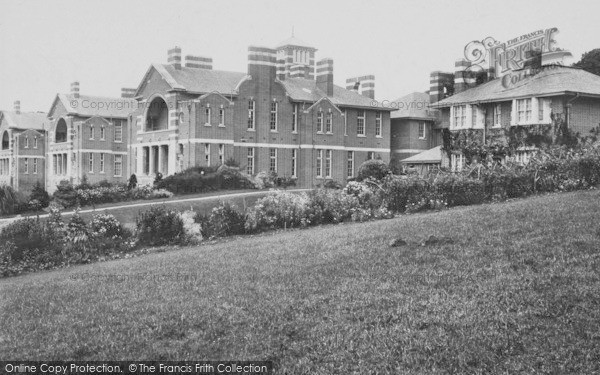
point(549, 82)
point(89, 106)
point(414, 106)
point(325, 98)
point(305, 90)
point(431, 156)
point(195, 80)
point(25, 120)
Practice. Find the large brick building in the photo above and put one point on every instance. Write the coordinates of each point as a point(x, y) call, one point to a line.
point(284, 114)
point(88, 135)
point(22, 155)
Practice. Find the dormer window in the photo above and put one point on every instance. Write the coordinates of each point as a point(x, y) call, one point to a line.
point(26, 142)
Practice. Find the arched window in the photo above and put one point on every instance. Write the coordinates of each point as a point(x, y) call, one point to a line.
point(157, 116)
point(61, 131)
point(5, 141)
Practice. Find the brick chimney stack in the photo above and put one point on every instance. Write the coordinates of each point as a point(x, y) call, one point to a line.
point(174, 57)
point(75, 89)
point(199, 62)
point(17, 107)
point(127, 92)
point(364, 85)
point(325, 76)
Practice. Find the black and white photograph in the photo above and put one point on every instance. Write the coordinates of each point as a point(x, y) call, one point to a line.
point(315, 187)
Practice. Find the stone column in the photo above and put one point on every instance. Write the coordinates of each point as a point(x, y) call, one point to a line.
point(151, 166)
point(172, 156)
point(139, 161)
point(161, 157)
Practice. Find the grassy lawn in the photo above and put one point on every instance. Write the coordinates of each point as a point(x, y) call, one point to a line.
point(517, 292)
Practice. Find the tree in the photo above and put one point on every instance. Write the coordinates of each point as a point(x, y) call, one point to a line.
point(590, 62)
point(40, 194)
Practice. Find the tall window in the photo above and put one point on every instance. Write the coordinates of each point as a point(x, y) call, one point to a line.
point(295, 119)
point(319, 163)
point(460, 116)
point(91, 163)
point(91, 131)
point(251, 110)
point(54, 164)
point(327, 163)
point(350, 169)
point(26, 162)
point(118, 131)
point(320, 122)
point(102, 162)
point(34, 166)
point(498, 115)
point(250, 161)
point(360, 123)
point(207, 153)
point(118, 165)
point(102, 132)
point(207, 115)
point(273, 160)
point(221, 153)
point(35, 142)
point(422, 134)
point(26, 142)
point(541, 109)
point(273, 120)
point(329, 122)
point(378, 124)
point(294, 161)
point(524, 110)
point(221, 117)
point(345, 122)
point(370, 155)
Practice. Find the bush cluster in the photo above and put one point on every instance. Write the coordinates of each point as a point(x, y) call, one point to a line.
point(204, 179)
point(32, 244)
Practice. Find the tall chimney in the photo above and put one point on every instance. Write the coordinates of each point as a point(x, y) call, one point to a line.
point(174, 57)
point(75, 89)
point(262, 62)
point(460, 76)
point(127, 92)
point(365, 85)
point(17, 107)
point(199, 62)
point(325, 76)
point(440, 85)
point(281, 69)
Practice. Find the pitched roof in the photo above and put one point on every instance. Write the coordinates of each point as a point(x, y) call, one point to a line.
point(550, 81)
point(413, 105)
point(431, 156)
point(25, 120)
point(305, 90)
point(200, 81)
point(293, 41)
point(88, 106)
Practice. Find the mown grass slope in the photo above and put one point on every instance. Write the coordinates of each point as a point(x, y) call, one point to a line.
point(517, 292)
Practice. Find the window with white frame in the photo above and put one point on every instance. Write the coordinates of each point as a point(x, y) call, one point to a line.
point(102, 132)
point(319, 163)
point(118, 131)
point(273, 160)
point(460, 116)
point(26, 142)
point(207, 153)
point(350, 166)
point(328, 163)
point(91, 131)
point(221, 153)
point(250, 161)
point(294, 162)
point(35, 142)
point(320, 121)
point(329, 122)
point(541, 109)
point(422, 130)
point(101, 162)
point(498, 115)
point(221, 116)
point(523, 110)
point(251, 111)
point(273, 119)
point(26, 165)
point(35, 166)
point(474, 111)
point(378, 124)
point(457, 162)
point(360, 123)
point(207, 115)
point(91, 163)
point(118, 165)
point(295, 119)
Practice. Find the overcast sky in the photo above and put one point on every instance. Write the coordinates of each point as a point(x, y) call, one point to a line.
point(106, 45)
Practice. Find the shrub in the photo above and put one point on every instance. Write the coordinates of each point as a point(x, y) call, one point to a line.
point(231, 162)
point(132, 182)
point(459, 190)
point(327, 206)
point(65, 194)
point(191, 228)
point(8, 200)
point(24, 234)
point(159, 226)
point(376, 169)
point(232, 178)
point(159, 193)
point(279, 209)
point(39, 194)
point(223, 220)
